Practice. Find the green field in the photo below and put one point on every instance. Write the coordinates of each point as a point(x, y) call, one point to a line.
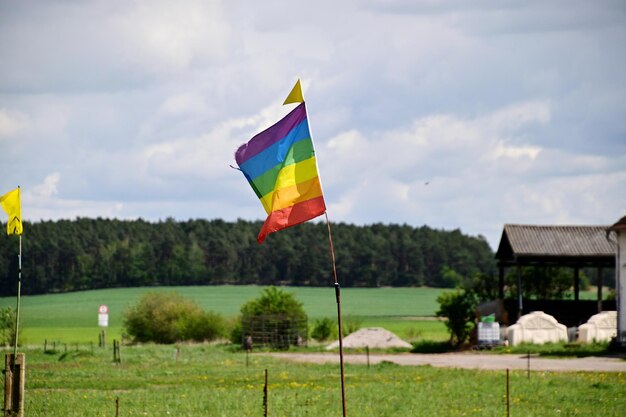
point(213, 380)
point(73, 317)
point(77, 378)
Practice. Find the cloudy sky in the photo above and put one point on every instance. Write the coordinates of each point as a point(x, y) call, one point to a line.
point(451, 114)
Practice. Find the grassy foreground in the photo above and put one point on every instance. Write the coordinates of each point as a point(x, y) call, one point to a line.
point(73, 317)
point(205, 380)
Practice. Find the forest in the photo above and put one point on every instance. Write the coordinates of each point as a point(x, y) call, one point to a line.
point(86, 253)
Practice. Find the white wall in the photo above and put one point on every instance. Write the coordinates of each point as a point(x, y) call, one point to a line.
point(620, 270)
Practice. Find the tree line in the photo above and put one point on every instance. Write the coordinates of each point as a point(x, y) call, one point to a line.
point(86, 253)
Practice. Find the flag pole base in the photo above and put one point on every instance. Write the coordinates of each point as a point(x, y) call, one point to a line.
point(14, 381)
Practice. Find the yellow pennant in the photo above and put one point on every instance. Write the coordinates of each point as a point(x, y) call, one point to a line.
point(11, 204)
point(295, 96)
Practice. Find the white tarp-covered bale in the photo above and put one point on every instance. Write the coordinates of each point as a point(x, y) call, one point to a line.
point(372, 337)
point(600, 328)
point(538, 328)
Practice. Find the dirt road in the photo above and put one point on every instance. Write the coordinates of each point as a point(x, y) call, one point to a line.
point(470, 360)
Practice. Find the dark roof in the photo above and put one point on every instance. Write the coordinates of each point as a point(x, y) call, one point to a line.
point(555, 244)
point(620, 224)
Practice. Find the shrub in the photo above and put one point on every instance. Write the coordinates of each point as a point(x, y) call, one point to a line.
point(236, 332)
point(170, 318)
point(459, 309)
point(324, 329)
point(429, 346)
point(275, 318)
point(7, 326)
point(350, 324)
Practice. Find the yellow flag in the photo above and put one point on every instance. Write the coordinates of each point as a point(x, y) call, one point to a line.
point(295, 96)
point(11, 204)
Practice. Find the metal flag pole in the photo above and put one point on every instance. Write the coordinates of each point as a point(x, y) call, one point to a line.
point(338, 297)
point(296, 96)
point(19, 290)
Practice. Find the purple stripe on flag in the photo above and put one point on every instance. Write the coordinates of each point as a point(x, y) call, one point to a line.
point(270, 135)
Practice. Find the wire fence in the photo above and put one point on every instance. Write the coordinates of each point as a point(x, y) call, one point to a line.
point(273, 330)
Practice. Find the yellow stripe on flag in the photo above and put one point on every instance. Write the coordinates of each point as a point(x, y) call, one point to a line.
point(287, 197)
point(290, 176)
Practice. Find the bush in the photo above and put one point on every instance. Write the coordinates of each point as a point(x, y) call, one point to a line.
point(429, 346)
point(276, 319)
point(350, 324)
point(324, 329)
point(170, 318)
point(459, 309)
point(236, 332)
point(7, 326)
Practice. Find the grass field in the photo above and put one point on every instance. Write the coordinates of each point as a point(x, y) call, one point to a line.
point(78, 378)
point(73, 317)
point(209, 380)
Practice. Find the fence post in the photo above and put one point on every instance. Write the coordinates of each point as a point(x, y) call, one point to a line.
point(14, 380)
point(265, 396)
point(116, 351)
point(508, 394)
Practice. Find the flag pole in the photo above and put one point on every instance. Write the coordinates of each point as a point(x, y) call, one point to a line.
point(19, 290)
point(296, 96)
point(338, 297)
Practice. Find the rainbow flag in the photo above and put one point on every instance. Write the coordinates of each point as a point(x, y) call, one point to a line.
point(280, 165)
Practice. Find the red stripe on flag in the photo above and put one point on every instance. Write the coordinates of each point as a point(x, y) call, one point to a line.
point(291, 216)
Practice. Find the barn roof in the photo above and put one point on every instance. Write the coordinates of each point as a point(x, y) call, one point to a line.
point(620, 224)
point(584, 245)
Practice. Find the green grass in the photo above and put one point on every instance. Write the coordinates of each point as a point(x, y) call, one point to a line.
point(214, 381)
point(560, 349)
point(72, 317)
point(408, 328)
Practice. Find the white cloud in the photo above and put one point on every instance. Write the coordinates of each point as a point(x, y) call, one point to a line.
point(172, 36)
point(49, 187)
point(445, 170)
point(11, 123)
point(516, 116)
point(451, 114)
point(515, 152)
point(183, 104)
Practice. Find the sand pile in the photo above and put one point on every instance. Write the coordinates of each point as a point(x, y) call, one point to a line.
point(374, 337)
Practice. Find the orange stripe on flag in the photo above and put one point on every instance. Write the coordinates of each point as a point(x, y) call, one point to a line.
point(295, 194)
point(291, 216)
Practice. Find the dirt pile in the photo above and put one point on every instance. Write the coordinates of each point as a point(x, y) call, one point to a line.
point(372, 337)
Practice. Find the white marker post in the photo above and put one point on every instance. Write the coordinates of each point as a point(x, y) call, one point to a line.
point(103, 316)
point(103, 321)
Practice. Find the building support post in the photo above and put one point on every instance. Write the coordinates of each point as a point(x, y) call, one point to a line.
point(576, 283)
point(501, 283)
point(519, 291)
point(599, 283)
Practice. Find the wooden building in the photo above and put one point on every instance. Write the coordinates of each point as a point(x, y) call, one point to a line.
point(575, 247)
